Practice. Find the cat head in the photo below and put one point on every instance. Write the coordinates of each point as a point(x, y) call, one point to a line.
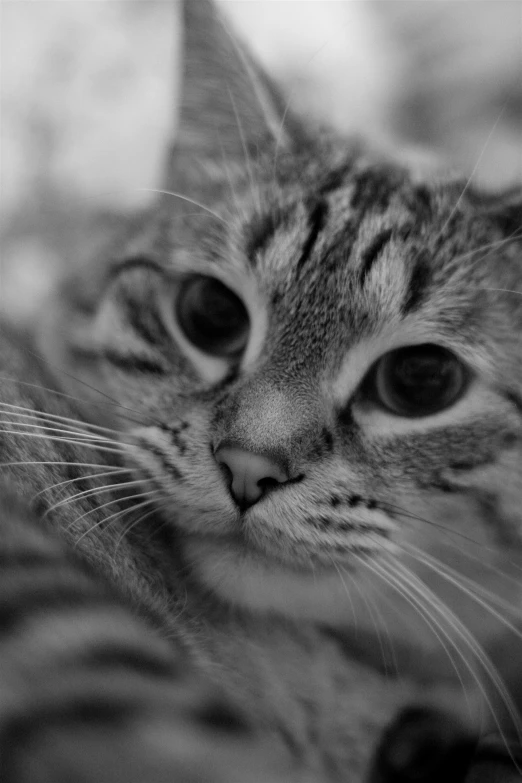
point(316, 350)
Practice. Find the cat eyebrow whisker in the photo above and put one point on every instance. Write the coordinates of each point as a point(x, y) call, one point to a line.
point(469, 181)
point(189, 200)
point(474, 171)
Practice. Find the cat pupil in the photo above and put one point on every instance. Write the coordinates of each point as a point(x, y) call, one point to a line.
point(419, 380)
point(212, 317)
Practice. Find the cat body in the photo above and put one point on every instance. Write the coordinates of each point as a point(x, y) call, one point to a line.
point(291, 401)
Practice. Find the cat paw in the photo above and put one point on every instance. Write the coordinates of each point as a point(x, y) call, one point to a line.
point(425, 745)
point(166, 734)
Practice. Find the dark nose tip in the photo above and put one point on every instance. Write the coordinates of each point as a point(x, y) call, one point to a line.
point(251, 473)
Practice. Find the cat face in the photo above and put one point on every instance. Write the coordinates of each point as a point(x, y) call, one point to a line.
point(316, 352)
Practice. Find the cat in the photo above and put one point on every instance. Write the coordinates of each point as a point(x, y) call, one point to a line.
point(279, 422)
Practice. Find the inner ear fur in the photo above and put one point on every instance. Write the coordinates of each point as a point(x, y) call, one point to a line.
point(229, 107)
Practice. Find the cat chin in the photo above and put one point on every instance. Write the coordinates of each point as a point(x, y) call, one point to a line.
point(248, 580)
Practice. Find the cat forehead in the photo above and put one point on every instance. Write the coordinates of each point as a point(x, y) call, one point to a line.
point(331, 252)
point(355, 233)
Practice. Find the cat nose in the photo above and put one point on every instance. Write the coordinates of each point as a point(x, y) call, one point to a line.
point(251, 474)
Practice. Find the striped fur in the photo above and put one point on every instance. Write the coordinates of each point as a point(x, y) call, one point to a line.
point(320, 609)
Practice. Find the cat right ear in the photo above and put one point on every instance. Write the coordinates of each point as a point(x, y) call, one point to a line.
point(229, 107)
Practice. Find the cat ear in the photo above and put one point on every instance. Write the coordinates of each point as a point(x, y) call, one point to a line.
point(228, 105)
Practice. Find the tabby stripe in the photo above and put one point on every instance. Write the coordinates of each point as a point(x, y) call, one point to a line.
point(374, 189)
point(336, 179)
point(316, 220)
point(420, 279)
point(143, 660)
point(134, 363)
point(169, 467)
point(129, 264)
point(33, 592)
point(372, 253)
point(515, 399)
point(25, 559)
point(147, 324)
point(260, 232)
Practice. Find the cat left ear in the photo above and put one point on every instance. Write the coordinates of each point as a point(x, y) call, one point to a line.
point(229, 106)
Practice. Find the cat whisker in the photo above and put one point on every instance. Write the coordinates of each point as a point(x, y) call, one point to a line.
point(111, 472)
point(110, 518)
point(467, 586)
point(288, 103)
point(240, 210)
point(506, 290)
point(491, 246)
point(135, 496)
point(435, 627)
point(77, 434)
point(99, 403)
point(374, 613)
point(89, 386)
point(248, 161)
point(58, 439)
point(134, 524)
point(474, 171)
point(418, 594)
point(93, 491)
point(189, 200)
point(472, 644)
point(467, 185)
point(31, 413)
point(89, 437)
point(345, 586)
point(23, 463)
point(380, 622)
point(402, 512)
point(451, 533)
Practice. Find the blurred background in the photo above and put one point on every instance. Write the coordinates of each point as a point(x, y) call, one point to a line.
point(88, 91)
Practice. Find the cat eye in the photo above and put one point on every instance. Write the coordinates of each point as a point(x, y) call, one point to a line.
point(418, 380)
point(212, 317)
